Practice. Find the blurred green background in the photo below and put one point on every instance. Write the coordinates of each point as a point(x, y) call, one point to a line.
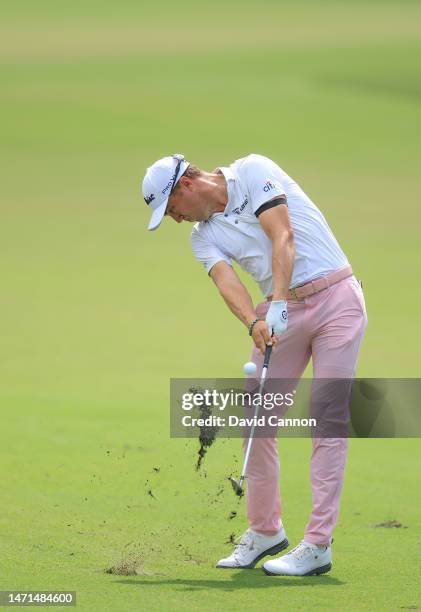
point(97, 314)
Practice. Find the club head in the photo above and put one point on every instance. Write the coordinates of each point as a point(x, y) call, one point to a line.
point(238, 489)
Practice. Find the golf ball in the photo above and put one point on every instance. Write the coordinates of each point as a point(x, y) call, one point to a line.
point(249, 368)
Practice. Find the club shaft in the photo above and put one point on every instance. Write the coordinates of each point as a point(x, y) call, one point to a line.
point(256, 412)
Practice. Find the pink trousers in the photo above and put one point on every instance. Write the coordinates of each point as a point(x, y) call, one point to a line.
point(328, 327)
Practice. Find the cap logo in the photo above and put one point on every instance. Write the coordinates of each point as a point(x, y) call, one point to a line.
point(150, 198)
point(168, 186)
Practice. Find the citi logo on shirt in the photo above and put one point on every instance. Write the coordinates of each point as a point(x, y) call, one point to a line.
point(239, 209)
point(268, 186)
point(150, 198)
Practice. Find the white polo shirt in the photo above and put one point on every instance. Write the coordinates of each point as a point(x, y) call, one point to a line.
point(237, 235)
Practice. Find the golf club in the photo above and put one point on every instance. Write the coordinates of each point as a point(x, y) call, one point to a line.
point(237, 485)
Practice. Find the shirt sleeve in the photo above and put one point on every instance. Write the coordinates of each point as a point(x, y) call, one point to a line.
point(264, 180)
point(206, 252)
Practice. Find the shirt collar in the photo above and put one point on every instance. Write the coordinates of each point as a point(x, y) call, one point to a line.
point(227, 172)
point(230, 178)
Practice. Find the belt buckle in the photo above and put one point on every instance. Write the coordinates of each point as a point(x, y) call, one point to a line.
point(293, 294)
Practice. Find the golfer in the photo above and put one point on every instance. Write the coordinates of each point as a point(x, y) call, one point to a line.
point(253, 213)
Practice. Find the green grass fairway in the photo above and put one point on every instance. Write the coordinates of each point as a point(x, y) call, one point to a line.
point(97, 314)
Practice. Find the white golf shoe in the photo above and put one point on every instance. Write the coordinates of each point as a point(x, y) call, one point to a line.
point(252, 547)
point(304, 560)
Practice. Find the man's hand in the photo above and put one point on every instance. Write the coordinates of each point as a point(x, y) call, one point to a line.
point(277, 317)
point(261, 336)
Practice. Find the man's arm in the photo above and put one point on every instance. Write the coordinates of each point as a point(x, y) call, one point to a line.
point(233, 292)
point(277, 225)
point(239, 301)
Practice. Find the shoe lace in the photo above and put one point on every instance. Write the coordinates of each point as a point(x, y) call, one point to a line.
point(246, 543)
point(300, 551)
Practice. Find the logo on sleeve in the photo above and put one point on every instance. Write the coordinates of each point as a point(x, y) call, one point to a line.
point(239, 209)
point(268, 186)
point(150, 198)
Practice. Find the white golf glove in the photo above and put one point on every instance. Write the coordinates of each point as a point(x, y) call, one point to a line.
point(277, 317)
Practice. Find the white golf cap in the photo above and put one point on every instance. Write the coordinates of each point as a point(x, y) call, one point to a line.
point(159, 181)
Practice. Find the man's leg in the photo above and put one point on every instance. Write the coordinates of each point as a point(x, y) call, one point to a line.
point(289, 359)
point(338, 323)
